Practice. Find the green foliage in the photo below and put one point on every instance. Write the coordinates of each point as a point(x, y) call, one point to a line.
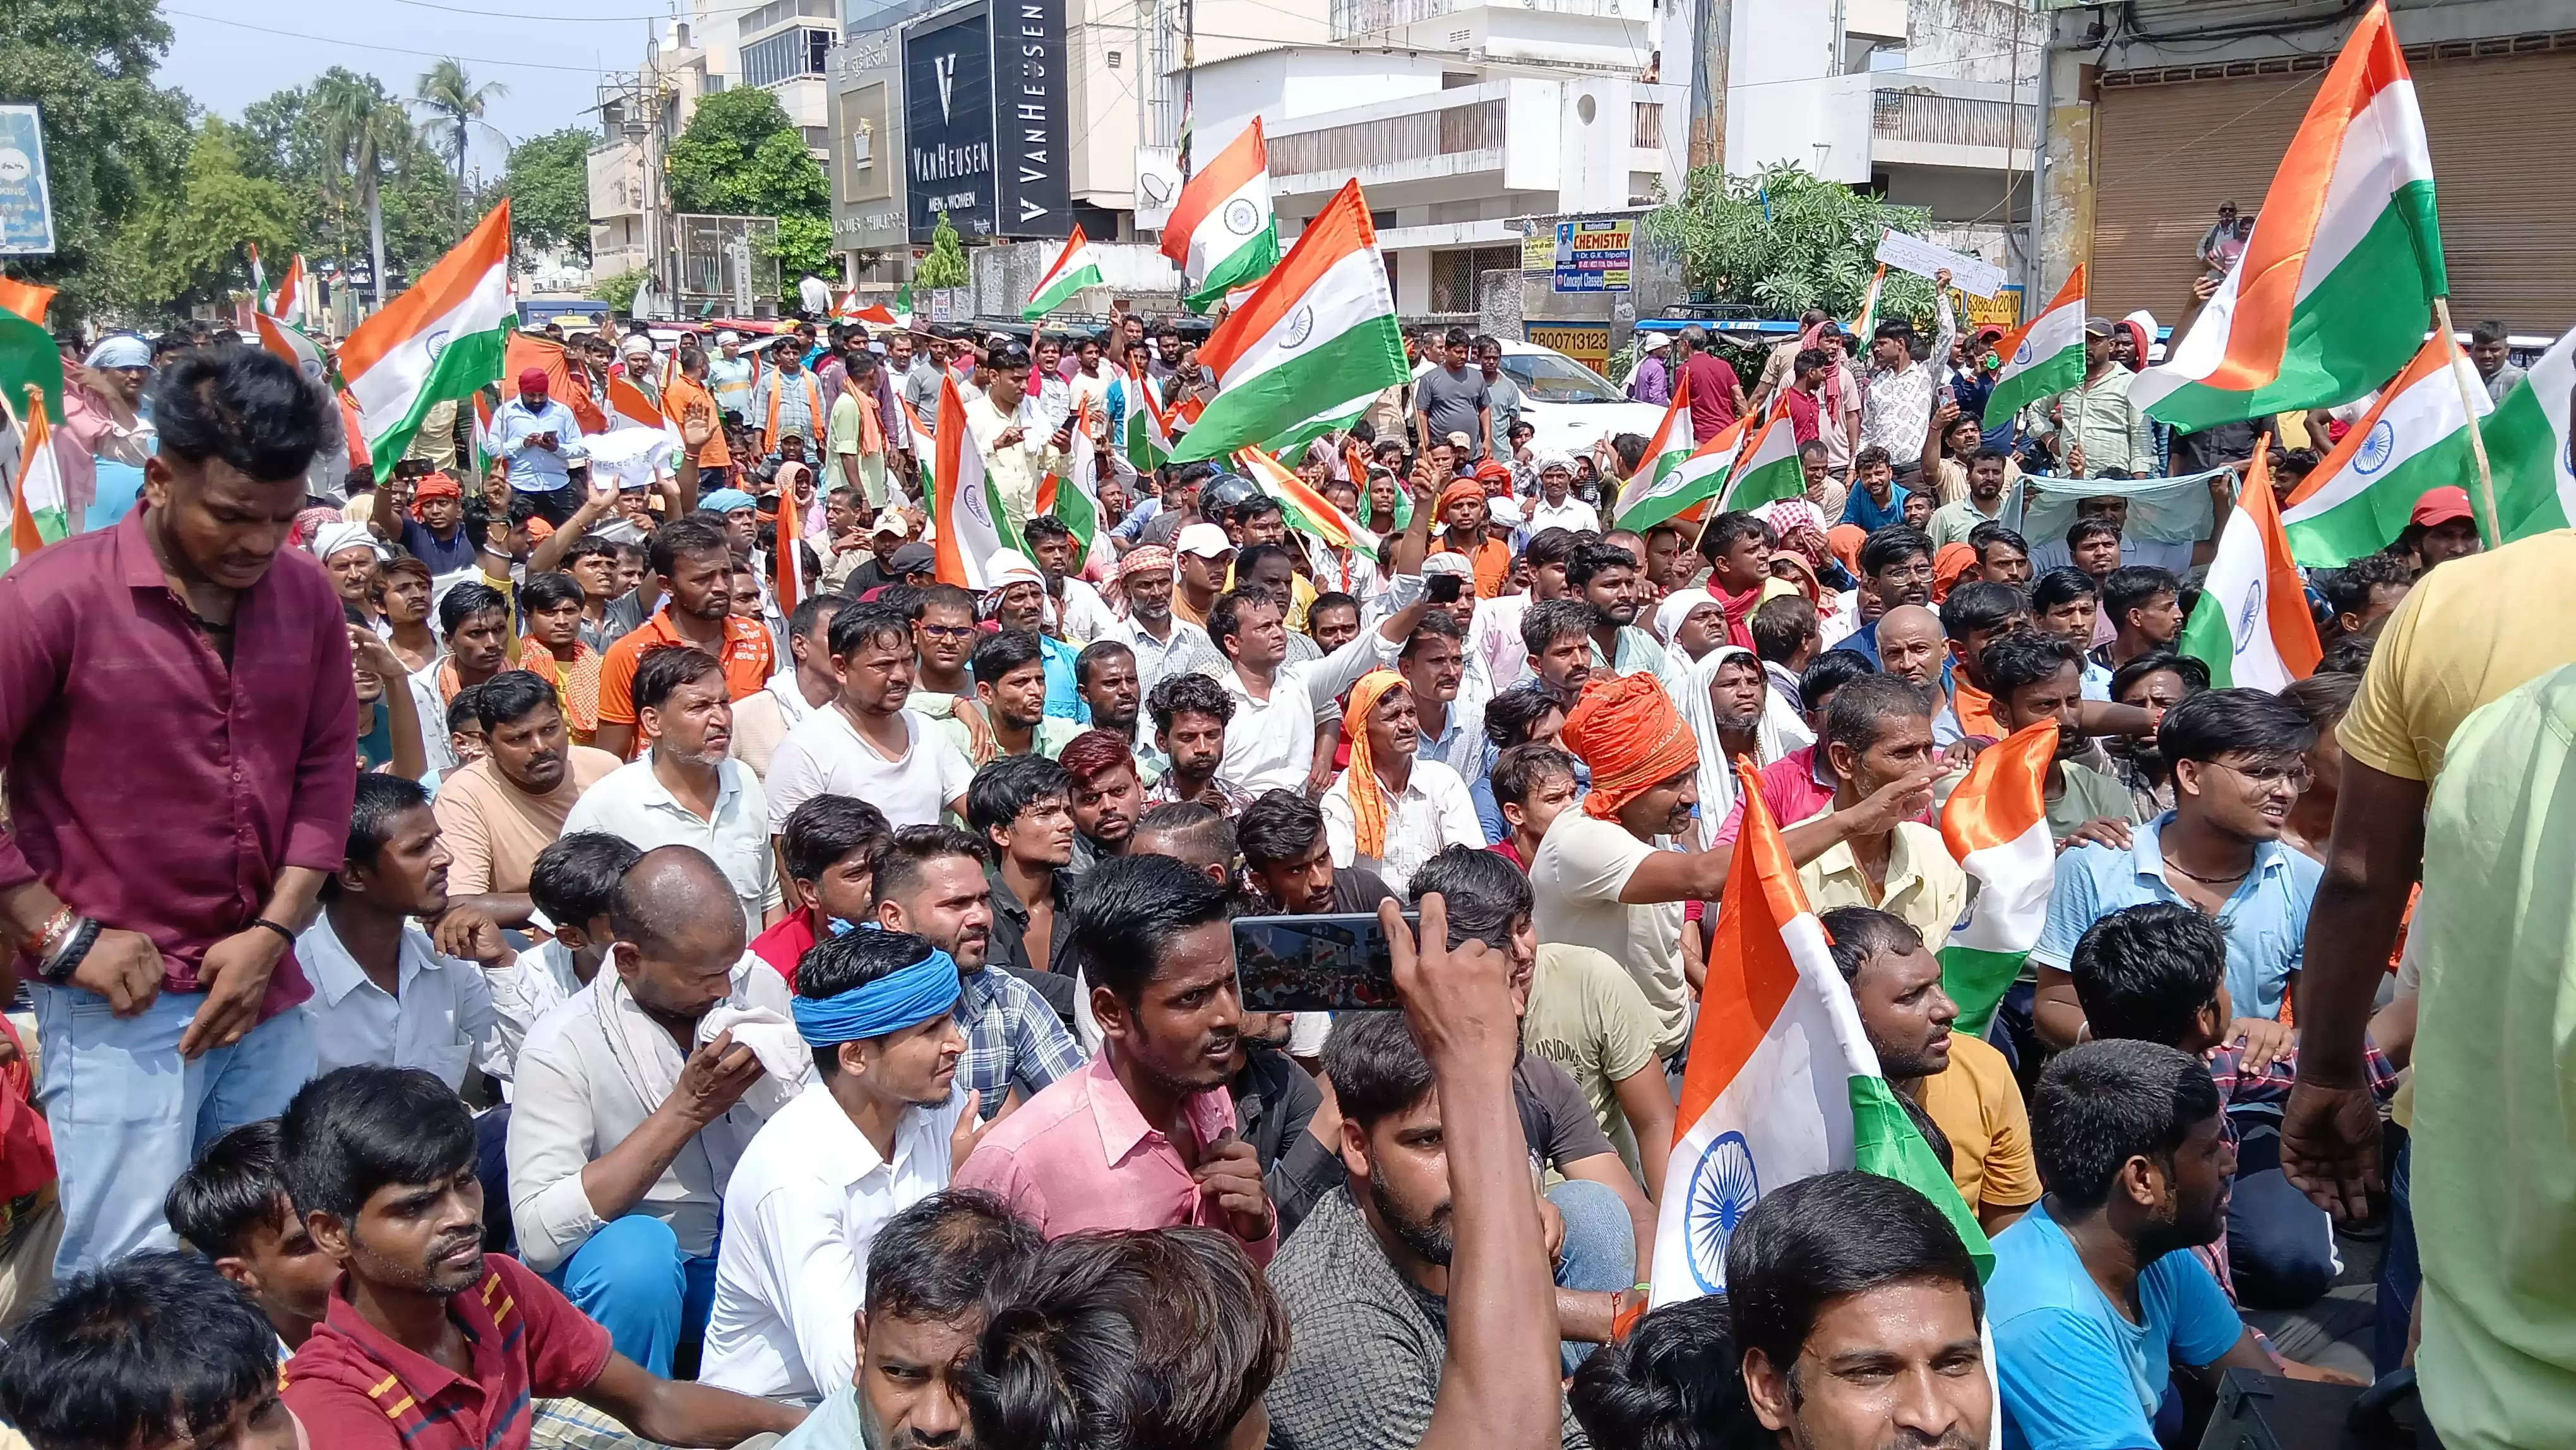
point(1785, 240)
point(945, 266)
point(113, 139)
point(619, 291)
point(456, 106)
point(740, 156)
point(549, 187)
point(185, 246)
point(804, 244)
point(300, 137)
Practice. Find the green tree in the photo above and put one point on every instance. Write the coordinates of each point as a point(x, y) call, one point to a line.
point(113, 139)
point(361, 129)
point(619, 291)
point(1784, 240)
point(740, 156)
point(945, 266)
point(185, 246)
point(456, 106)
point(549, 187)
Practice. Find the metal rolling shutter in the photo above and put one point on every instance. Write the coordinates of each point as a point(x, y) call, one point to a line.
point(2170, 145)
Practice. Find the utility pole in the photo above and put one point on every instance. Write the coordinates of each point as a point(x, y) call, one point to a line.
point(1713, 21)
point(1189, 80)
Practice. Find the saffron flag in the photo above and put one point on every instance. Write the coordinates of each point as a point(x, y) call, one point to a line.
point(39, 510)
point(440, 340)
point(529, 350)
point(787, 563)
point(971, 531)
point(1221, 232)
point(1666, 450)
point(2337, 283)
point(629, 408)
point(1307, 511)
point(1319, 331)
point(2044, 357)
point(1075, 268)
point(2251, 626)
point(1695, 480)
point(1782, 1082)
point(2416, 437)
point(1996, 825)
point(25, 299)
point(287, 304)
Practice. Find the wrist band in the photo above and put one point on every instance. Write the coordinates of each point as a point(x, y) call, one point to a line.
point(58, 968)
point(283, 934)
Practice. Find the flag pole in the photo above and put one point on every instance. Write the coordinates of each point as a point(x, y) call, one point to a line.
point(2493, 521)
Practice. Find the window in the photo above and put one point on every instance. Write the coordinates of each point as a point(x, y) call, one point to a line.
point(786, 56)
point(1647, 127)
point(1457, 278)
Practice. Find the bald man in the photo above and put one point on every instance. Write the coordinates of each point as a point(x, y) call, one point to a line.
point(1194, 835)
point(1910, 644)
point(626, 1118)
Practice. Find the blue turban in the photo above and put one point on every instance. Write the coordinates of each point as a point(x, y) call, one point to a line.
point(891, 1003)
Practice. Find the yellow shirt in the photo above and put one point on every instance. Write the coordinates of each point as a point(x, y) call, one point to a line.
point(1924, 887)
point(1979, 1108)
point(1300, 595)
point(2469, 632)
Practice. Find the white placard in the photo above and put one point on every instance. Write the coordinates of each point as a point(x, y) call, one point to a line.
point(1972, 275)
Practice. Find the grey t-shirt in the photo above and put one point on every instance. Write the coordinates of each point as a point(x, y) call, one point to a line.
point(1451, 398)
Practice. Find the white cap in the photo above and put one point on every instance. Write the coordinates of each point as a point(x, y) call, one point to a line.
point(1657, 341)
point(1205, 540)
point(1448, 563)
point(890, 521)
point(1008, 567)
point(728, 336)
point(1504, 510)
point(636, 345)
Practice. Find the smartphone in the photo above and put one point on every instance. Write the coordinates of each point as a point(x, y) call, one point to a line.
point(1315, 963)
point(1443, 588)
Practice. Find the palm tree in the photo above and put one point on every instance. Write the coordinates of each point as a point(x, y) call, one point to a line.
point(455, 105)
point(361, 128)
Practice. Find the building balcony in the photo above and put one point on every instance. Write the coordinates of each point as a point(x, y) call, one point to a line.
point(1354, 18)
point(1930, 121)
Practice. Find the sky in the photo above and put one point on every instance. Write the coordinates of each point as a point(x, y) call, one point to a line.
point(228, 53)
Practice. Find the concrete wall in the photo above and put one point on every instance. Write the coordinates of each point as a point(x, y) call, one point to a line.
point(1979, 40)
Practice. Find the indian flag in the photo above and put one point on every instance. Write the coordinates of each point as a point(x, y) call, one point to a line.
point(1333, 419)
point(1996, 825)
point(1221, 233)
point(2414, 438)
point(1076, 267)
point(2251, 626)
point(2338, 280)
point(1075, 498)
point(1320, 330)
point(1666, 451)
point(39, 512)
point(1693, 481)
point(1149, 436)
point(2044, 358)
point(441, 339)
point(258, 279)
point(1307, 511)
point(25, 299)
point(287, 304)
point(290, 343)
point(1867, 322)
point(2527, 440)
point(1782, 1083)
point(971, 530)
point(1769, 469)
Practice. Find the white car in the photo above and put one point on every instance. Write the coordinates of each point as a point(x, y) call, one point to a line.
point(1570, 406)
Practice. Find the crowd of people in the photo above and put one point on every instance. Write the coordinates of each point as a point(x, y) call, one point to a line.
point(515, 960)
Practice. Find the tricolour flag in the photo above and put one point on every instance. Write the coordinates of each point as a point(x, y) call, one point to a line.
point(1077, 501)
point(1320, 330)
point(287, 304)
point(1700, 476)
point(258, 279)
point(1075, 268)
point(2044, 358)
point(1996, 825)
point(1768, 469)
point(971, 530)
point(2251, 626)
point(290, 343)
point(2527, 440)
point(39, 511)
point(28, 356)
point(1149, 435)
point(1667, 448)
point(1307, 511)
point(2414, 438)
point(1867, 322)
point(629, 408)
point(2338, 280)
point(1221, 233)
point(1782, 1083)
point(441, 339)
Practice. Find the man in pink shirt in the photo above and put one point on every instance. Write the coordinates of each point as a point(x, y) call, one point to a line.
point(1145, 1136)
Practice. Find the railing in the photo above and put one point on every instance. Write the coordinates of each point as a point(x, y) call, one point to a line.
point(1367, 17)
point(1350, 149)
point(1646, 125)
point(1926, 116)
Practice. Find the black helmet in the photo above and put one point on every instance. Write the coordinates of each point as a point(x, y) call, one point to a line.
point(1219, 495)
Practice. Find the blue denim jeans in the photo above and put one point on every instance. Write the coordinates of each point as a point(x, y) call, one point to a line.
point(1600, 1252)
point(129, 1114)
point(632, 1278)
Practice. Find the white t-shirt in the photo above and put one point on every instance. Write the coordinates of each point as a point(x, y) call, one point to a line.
point(825, 756)
point(1434, 812)
point(1581, 867)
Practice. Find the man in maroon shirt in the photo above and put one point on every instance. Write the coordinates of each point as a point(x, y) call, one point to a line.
point(180, 745)
point(1716, 395)
point(430, 1343)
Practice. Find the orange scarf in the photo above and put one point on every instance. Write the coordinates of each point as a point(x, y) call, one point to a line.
point(576, 684)
point(1369, 804)
point(814, 415)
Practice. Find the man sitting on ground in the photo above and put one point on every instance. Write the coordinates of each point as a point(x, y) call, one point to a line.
point(496, 814)
point(1191, 715)
point(232, 1206)
point(2040, 677)
point(829, 848)
point(574, 881)
point(156, 1351)
point(1108, 793)
point(866, 744)
point(1022, 806)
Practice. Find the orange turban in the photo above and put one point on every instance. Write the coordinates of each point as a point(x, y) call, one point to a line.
point(1368, 798)
point(1461, 490)
point(1627, 730)
point(1844, 540)
point(1949, 566)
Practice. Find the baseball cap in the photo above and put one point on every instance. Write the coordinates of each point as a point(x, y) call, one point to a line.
point(889, 521)
point(1205, 540)
point(1459, 440)
point(913, 559)
point(2441, 505)
point(2097, 327)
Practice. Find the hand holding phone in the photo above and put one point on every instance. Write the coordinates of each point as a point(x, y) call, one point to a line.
point(1333, 963)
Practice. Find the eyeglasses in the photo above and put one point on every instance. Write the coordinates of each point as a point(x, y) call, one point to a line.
point(2296, 774)
point(947, 631)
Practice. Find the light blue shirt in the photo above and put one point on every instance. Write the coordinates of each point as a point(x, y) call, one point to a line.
point(834, 1425)
point(538, 470)
point(2266, 920)
point(1063, 697)
point(2076, 1372)
point(2097, 683)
